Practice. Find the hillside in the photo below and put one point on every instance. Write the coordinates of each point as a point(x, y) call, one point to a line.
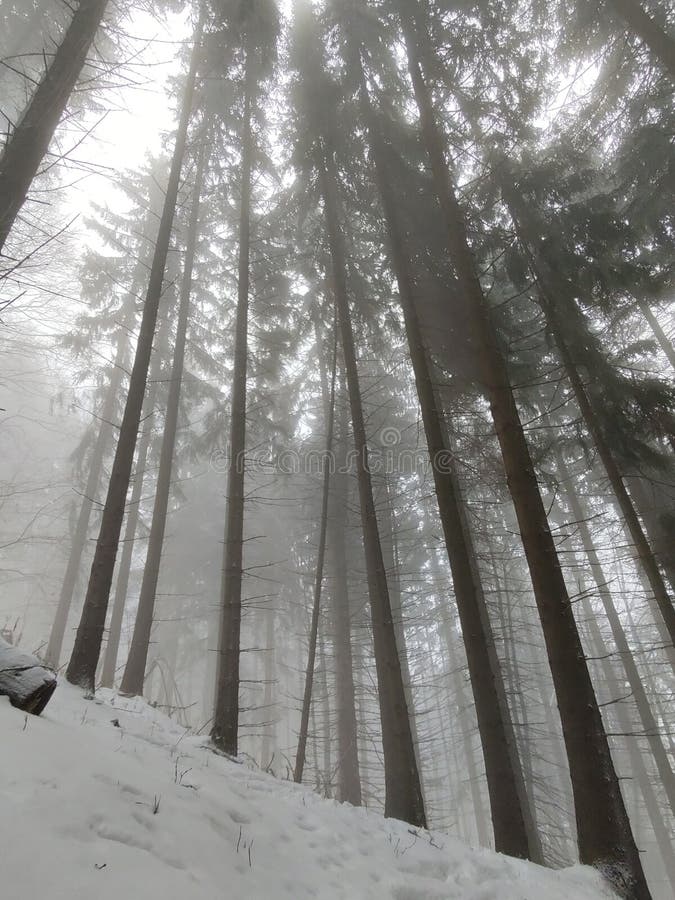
point(109, 799)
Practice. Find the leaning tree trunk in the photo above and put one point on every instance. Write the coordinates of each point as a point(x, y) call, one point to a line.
point(226, 718)
point(134, 673)
point(547, 294)
point(660, 44)
point(84, 660)
point(604, 831)
point(109, 668)
point(29, 142)
point(318, 580)
point(515, 832)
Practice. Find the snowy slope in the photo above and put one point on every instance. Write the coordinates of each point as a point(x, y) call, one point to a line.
point(77, 796)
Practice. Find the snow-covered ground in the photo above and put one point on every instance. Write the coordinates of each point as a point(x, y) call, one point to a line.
point(110, 800)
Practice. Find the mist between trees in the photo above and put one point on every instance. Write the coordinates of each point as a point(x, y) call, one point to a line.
point(338, 397)
point(385, 460)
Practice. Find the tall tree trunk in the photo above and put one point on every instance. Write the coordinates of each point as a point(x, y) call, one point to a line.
point(403, 794)
point(391, 562)
point(29, 142)
point(660, 44)
point(510, 817)
point(109, 668)
point(547, 293)
point(226, 719)
point(318, 579)
point(347, 731)
point(134, 673)
point(83, 662)
point(603, 827)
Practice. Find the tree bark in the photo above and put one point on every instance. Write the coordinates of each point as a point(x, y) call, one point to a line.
point(134, 673)
point(29, 142)
point(226, 719)
point(82, 667)
point(603, 827)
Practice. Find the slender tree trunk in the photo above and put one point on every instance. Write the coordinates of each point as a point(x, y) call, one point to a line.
point(403, 794)
point(29, 142)
point(603, 827)
point(134, 673)
point(347, 730)
point(109, 669)
point(318, 580)
point(390, 554)
point(660, 44)
point(322, 680)
point(269, 730)
point(83, 662)
point(547, 294)
point(226, 719)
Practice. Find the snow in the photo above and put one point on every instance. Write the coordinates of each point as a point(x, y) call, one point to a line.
point(110, 799)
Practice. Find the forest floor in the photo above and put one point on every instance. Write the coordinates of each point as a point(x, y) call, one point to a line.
point(110, 799)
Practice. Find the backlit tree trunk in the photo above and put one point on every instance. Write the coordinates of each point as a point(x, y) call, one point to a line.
point(29, 142)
